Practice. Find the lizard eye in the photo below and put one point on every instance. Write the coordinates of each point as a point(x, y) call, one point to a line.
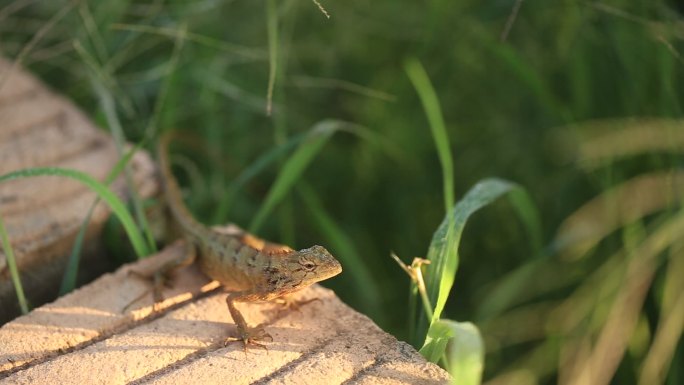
point(308, 265)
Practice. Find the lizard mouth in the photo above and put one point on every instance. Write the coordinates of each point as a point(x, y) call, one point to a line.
point(330, 270)
point(323, 264)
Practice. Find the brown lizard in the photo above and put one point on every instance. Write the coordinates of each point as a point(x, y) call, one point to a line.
point(251, 269)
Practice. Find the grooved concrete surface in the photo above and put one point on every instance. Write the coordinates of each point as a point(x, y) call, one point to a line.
point(85, 338)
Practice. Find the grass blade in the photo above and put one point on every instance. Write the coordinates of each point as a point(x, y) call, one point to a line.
point(428, 98)
point(117, 206)
point(616, 207)
point(293, 169)
point(254, 169)
point(99, 78)
point(207, 41)
point(71, 271)
point(14, 271)
point(272, 27)
point(109, 108)
point(365, 285)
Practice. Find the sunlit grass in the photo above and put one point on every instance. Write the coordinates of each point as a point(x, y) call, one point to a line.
point(580, 105)
point(458, 345)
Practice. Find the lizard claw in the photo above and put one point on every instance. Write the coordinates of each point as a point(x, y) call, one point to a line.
point(249, 337)
point(288, 302)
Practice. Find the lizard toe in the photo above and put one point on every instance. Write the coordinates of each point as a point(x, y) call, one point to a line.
point(250, 337)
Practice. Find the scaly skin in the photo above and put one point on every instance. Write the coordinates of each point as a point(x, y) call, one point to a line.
point(253, 270)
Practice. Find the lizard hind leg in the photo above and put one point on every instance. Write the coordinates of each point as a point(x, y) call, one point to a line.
point(249, 336)
point(163, 277)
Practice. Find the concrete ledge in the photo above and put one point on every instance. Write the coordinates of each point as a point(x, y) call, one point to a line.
point(40, 128)
point(85, 338)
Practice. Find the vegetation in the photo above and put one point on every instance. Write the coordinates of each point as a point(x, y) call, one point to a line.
point(366, 130)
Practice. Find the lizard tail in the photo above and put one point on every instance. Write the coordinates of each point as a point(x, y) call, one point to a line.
point(174, 197)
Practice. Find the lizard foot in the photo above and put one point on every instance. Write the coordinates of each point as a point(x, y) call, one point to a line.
point(159, 280)
point(290, 303)
point(250, 337)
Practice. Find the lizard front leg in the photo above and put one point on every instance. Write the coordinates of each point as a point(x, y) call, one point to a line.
point(248, 335)
point(288, 301)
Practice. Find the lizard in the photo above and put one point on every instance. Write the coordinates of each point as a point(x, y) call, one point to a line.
point(251, 270)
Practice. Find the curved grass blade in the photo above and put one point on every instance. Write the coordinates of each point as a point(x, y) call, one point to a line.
point(294, 167)
point(616, 207)
point(621, 318)
point(594, 144)
point(662, 352)
point(118, 208)
point(464, 349)
point(14, 271)
point(69, 279)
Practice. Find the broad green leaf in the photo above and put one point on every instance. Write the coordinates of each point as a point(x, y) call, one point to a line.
point(464, 348)
point(443, 250)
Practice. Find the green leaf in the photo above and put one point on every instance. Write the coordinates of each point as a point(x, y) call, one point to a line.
point(118, 208)
point(464, 349)
point(443, 250)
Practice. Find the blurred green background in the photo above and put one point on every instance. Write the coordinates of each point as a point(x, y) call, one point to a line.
point(572, 100)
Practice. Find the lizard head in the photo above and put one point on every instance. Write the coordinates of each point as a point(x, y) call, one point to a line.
point(302, 268)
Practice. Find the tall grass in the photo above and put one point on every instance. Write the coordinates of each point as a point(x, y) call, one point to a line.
point(548, 108)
